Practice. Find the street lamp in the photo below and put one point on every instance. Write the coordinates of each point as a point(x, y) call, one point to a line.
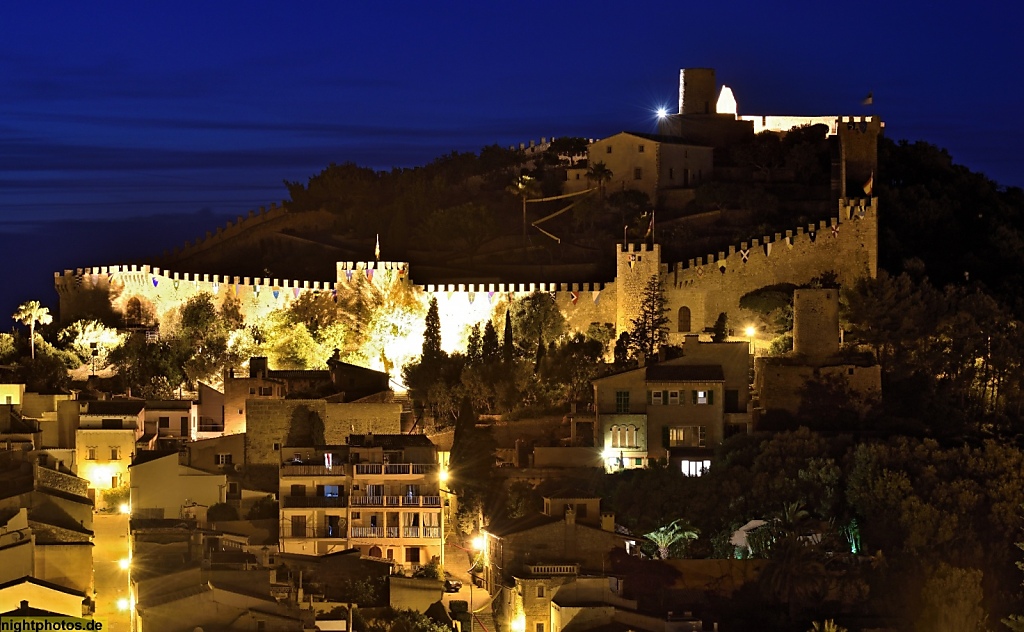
point(751, 331)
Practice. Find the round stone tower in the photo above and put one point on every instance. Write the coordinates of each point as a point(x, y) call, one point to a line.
point(816, 322)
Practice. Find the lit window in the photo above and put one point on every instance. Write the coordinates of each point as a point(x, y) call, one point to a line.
point(704, 397)
point(90, 454)
point(223, 459)
point(687, 436)
point(673, 398)
point(115, 453)
point(694, 468)
point(656, 398)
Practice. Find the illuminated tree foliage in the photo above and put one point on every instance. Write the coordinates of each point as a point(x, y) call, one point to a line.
point(31, 314)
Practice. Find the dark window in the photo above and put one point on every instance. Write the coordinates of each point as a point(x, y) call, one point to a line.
point(640, 149)
point(252, 390)
point(732, 401)
point(298, 490)
point(111, 424)
point(298, 526)
point(622, 402)
point(608, 149)
point(164, 422)
point(638, 174)
point(581, 512)
point(412, 555)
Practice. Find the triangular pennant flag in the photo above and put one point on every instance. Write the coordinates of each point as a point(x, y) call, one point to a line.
point(348, 275)
point(490, 297)
point(721, 268)
point(369, 274)
point(700, 270)
point(813, 235)
point(175, 283)
point(155, 281)
point(596, 294)
point(277, 293)
point(575, 297)
point(295, 291)
point(768, 249)
point(216, 287)
point(472, 297)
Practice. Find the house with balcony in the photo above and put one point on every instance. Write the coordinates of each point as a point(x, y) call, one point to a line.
point(675, 410)
point(173, 421)
point(379, 494)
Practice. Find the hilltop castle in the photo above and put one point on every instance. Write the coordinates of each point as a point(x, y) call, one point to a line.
point(697, 290)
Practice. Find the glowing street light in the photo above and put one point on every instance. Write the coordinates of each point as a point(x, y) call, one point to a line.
point(125, 508)
point(124, 563)
point(123, 604)
point(662, 113)
point(751, 331)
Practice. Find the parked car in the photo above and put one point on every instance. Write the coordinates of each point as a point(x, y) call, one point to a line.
point(452, 585)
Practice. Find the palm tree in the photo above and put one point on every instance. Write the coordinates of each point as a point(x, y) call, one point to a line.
point(29, 314)
point(664, 537)
point(599, 173)
point(524, 187)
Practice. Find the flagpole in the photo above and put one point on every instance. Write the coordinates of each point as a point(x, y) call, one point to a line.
point(625, 240)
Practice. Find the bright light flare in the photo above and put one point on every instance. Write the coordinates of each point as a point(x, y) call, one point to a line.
point(125, 508)
point(478, 543)
point(443, 476)
point(124, 563)
point(519, 623)
point(662, 113)
point(123, 604)
point(750, 331)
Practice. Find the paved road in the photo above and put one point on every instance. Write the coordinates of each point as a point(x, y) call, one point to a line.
point(111, 546)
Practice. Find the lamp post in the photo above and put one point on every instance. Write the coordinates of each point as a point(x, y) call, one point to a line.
point(478, 545)
point(751, 331)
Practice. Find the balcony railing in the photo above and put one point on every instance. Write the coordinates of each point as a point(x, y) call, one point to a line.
point(288, 531)
point(431, 532)
point(394, 469)
point(378, 533)
point(410, 532)
point(368, 532)
point(312, 470)
point(553, 569)
point(294, 502)
point(395, 501)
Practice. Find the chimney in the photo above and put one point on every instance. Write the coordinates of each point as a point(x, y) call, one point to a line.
point(608, 521)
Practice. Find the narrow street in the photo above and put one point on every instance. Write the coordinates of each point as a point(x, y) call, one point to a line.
point(112, 590)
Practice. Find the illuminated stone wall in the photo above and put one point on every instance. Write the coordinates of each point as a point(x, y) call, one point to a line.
point(702, 287)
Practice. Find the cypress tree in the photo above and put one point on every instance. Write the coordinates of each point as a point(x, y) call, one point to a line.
point(507, 348)
point(432, 335)
point(490, 347)
point(650, 327)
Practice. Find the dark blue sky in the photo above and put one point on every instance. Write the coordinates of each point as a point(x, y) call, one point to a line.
point(130, 109)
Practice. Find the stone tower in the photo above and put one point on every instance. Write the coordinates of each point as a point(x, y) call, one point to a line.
point(635, 264)
point(697, 91)
point(816, 322)
point(858, 143)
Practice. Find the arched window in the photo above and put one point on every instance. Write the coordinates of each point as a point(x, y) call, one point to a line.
point(375, 551)
point(615, 436)
point(684, 320)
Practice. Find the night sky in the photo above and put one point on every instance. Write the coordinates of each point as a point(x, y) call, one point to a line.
point(196, 111)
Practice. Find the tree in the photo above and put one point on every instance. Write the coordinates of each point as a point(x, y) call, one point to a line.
point(432, 352)
point(674, 532)
point(721, 329)
point(489, 346)
point(221, 512)
point(534, 318)
point(599, 173)
point(507, 340)
point(29, 314)
point(650, 327)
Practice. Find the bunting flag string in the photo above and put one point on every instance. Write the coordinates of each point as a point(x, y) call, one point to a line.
point(295, 291)
point(369, 274)
point(575, 297)
point(155, 282)
point(745, 254)
point(813, 235)
point(490, 297)
point(768, 249)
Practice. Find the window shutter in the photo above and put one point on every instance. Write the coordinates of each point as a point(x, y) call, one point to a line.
point(694, 396)
point(650, 398)
point(664, 398)
point(711, 397)
point(319, 490)
point(664, 437)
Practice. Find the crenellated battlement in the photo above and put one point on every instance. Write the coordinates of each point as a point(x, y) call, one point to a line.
point(126, 275)
point(513, 288)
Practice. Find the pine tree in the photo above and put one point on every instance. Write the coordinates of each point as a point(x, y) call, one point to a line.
point(650, 327)
point(721, 329)
point(490, 347)
point(432, 335)
point(507, 350)
point(474, 353)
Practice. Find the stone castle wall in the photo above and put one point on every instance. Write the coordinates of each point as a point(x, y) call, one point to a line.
point(702, 287)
